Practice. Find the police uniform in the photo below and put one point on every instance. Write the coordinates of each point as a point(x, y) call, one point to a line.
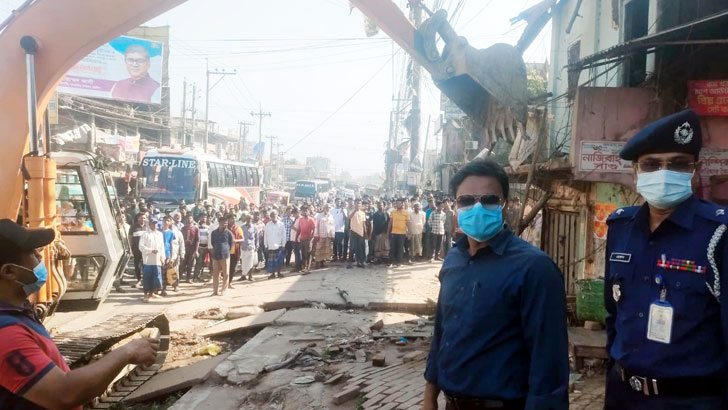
point(666, 315)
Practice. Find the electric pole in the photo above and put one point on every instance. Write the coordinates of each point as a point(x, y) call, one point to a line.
point(270, 173)
point(415, 120)
point(183, 137)
point(222, 74)
point(243, 134)
point(194, 98)
point(260, 114)
point(279, 158)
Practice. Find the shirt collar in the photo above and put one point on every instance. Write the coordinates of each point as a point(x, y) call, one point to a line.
point(682, 216)
point(497, 244)
point(26, 309)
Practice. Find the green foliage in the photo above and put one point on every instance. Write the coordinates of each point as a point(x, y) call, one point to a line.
point(536, 83)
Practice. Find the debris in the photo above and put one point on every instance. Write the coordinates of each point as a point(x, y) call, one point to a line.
point(591, 325)
point(209, 350)
point(171, 381)
point(286, 362)
point(346, 395)
point(244, 323)
point(318, 305)
point(379, 360)
point(304, 380)
point(360, 355)
point(335, 379)
point(307, 340)
point(243, 312)
point(303, 357)
point(413, 356)
point(365, 330)
point(210, 314)
point(344, 295)
point(377, 326)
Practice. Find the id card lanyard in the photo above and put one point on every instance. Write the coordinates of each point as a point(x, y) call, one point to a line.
point(659, 322)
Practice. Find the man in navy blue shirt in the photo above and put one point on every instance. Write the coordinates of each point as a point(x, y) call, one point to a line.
point(500, 332)
point(667, 320)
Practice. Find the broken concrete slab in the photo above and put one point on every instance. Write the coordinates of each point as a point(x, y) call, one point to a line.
point(379, 360)
point(283, 304)
point(243, 312)
point(244, 323)
point(206, 397)
point(312, 317)
point(414, 356)
point(175, 380)
point(424, 308)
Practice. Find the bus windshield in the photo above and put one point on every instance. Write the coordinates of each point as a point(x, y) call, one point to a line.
point(304, 189)
point(169, 179)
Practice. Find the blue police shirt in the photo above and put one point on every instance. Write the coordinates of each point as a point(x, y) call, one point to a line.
point(697, 345)
point(500, 328)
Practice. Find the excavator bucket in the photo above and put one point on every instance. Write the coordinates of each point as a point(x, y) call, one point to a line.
point(475, 80)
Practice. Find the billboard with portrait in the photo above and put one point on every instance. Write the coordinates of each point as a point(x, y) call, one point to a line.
point(124, 69)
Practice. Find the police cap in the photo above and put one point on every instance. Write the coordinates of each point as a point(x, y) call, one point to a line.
point(14, 237)
point(679, 132)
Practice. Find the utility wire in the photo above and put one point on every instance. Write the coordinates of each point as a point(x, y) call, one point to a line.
point(321, 124)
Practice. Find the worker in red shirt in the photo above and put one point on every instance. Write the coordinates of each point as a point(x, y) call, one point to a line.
point(33, 374)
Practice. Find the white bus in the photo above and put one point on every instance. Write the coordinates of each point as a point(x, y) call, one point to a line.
point(168, 176)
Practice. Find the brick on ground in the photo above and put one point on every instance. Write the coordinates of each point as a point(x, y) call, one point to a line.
point(347, 395)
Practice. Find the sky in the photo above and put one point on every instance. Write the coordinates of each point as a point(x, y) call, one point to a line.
point(328, 87)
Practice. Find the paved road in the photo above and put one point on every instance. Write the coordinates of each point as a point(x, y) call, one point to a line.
point(409, 284)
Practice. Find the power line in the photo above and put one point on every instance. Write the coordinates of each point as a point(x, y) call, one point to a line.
point(321, 124)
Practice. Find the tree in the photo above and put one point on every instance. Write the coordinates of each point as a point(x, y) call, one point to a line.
point(291, 161)
point(536, 83)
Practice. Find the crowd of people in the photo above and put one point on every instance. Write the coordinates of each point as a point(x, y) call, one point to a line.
point(237, 241)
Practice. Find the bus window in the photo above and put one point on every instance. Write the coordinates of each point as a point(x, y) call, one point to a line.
point(240, 175)
point(221, 182)
point(229, 175)
point(255, 178)
point(212, 175)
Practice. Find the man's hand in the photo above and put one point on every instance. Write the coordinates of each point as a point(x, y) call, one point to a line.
point(155, 251)
point(142, 351)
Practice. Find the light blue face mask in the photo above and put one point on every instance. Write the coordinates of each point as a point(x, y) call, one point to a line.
point(41, 277)
point(665, 189)
point(480, 223)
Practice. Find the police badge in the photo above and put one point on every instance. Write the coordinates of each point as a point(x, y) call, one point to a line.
point(616, 292)
point(684, 134)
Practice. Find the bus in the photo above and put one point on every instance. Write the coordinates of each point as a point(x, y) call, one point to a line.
point(311, 190)
point(168, 176)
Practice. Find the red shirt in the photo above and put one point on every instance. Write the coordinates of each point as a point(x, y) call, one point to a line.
point(306, 228)
point(141, 90)
point(27, 353)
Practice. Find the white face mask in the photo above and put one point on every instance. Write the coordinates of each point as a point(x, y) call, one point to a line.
point(665, 189)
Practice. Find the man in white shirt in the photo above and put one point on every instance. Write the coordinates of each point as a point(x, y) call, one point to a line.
point(340, 216)
point(151, 245)
point(275, 241)
point(415, 227)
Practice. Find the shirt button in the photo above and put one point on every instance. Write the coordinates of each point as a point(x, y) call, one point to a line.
point(461, 288)
point(651, 242)
point(455, 316)
point(677, 284)
point(470, 262)
point(647, 278)
point(641, 314)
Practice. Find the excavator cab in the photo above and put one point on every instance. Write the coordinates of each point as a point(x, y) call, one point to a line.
point(91, 227)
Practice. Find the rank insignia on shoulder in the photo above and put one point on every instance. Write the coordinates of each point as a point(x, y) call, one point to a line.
point(616, 292)
point(719, 212)
point(681, 264)
point(619, 211)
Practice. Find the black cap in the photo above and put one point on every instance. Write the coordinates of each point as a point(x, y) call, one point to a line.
point(679, 132)
point(16, 237)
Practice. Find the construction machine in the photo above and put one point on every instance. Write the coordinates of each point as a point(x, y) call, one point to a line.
point(43, 39)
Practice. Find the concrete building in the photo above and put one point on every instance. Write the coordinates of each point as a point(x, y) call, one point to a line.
point(617, 65)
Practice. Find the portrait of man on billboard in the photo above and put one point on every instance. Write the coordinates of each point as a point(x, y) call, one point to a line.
point(139, 86)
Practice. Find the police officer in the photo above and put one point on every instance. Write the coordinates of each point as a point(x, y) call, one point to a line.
point(665, 263)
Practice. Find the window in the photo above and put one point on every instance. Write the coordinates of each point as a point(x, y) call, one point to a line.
point(82, 272)
point(72, 203)
point(212, 175)
point(255, 178)
point(635, 26)
point(229, 175)
point(240, 174)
